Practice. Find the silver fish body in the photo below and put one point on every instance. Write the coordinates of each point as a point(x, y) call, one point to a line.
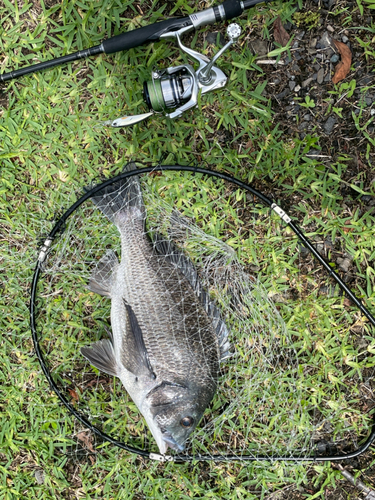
point(167, 335)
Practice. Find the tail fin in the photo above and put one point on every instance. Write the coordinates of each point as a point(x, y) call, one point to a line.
point(121, 196)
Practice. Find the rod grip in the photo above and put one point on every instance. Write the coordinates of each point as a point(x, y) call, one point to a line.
point(150, 33)
point(232, 9)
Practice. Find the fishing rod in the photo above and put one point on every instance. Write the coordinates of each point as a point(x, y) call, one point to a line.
point(172, 88)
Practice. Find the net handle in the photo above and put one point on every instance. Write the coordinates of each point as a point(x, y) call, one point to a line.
point(59, 228)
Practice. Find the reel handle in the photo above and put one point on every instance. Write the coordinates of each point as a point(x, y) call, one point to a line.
point(205, 75)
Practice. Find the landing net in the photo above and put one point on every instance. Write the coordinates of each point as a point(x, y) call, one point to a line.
point(281, 392)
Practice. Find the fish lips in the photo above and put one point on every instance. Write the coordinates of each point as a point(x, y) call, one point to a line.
point(164, 440)
point(171, 442)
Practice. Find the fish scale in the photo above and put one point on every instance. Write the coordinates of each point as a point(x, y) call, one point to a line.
point(156, 287)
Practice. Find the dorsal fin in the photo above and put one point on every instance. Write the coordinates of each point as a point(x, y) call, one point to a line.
point(176, 257)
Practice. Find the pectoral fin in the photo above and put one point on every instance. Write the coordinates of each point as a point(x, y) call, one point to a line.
point(102, 356)
point(134, 355)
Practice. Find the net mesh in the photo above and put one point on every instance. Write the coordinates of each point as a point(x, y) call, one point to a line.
point(268, 402)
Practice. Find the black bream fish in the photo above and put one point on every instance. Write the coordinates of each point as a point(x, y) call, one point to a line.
point(167, 335)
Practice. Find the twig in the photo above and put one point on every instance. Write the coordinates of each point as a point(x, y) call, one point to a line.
point(357, 483)
point(275, 494)
point(270, 61)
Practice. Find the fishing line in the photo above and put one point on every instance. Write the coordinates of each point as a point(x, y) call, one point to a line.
point(238, 294)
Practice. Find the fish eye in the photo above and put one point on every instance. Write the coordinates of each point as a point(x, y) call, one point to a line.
point(187, 421)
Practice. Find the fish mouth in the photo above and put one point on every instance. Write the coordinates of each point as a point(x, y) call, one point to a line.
point(170, 442)
point(164, 440)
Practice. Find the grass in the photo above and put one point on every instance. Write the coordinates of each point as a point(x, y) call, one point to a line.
point(53, 143)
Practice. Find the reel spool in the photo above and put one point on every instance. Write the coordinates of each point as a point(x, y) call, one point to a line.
point(166, 92)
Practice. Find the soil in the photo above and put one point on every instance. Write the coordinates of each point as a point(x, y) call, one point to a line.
point(306, 76)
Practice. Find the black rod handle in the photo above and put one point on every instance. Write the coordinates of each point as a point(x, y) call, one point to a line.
point(139, 36)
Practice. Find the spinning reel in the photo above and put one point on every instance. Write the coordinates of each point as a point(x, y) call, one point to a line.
point(177, 88)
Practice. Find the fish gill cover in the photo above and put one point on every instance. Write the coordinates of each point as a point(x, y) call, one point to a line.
point(266, 400)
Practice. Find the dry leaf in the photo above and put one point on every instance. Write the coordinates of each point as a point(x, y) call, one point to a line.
point(361, 164)
point(249, 145)
point(100, 381)
point(343, 67)
point(357, 327)
point(348, 302)
point(86, 439)
point(347, 229)
point(74, 395)
point(279, 33)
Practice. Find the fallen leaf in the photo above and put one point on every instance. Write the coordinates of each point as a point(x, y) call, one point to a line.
point(249, 145)
point(343, 67)
point(74, 395)
point(347, 229)
point(86, 439)
point(348, 302)
point(97, 382)
point(361, 164)
point(357, 327)
point(279, 33)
